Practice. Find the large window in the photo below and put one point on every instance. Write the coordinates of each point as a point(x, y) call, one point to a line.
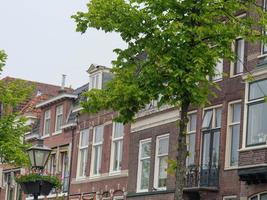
point(47, 122)
point(144, 165)
point(59, 117)
point(97, 150)
point(117, 147)
point(262, 196)
point(161, 164)
point(95, 81)
point(234, 116)
point(83, 152)
point(256, 114)
point(211, 128)
point(191, 139)
point(239, 52)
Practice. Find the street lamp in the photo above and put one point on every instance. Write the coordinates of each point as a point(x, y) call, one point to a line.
point(39, 155)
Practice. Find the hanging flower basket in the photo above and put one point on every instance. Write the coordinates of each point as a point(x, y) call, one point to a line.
point(37, 183)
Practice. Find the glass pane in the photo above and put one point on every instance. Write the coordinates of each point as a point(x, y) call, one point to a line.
point(83, 161)
point(162, 177)
point(235, 130)
point(218, 70)
point(84, 138)
point(118, 130)
point(99, 134)
point(145, 149)
point(47, 126)
point(206, 151)
point(236, 112)
point(163, 146)
point(192, 122)
point(254, 198)
point(257, 126)
point(117, 155)
point(257, 89)
point(191, 149)
point(97, 160)
point(41, 157)
point(239, 51)
point(207, 119)
point(59, 122)
point(263, 197)
point(145, 174)
point(59, 110)
point(215, 149)
point(218, 118)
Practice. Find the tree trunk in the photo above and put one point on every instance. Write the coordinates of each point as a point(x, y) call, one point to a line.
point(181, 153)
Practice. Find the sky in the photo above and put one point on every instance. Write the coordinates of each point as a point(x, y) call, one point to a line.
point(41, 42)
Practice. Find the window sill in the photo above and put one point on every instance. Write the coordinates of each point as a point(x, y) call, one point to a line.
point(140, 191)
point(160, 188)
point(253, 148)
point(262, 55)
point(216, 81)
point(57, 132)
point(114, 173)
point(231, 168)
point(45, 136)
point(236, 75)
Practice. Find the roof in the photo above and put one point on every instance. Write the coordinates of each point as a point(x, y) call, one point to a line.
point(94, 67)
point(55, 99)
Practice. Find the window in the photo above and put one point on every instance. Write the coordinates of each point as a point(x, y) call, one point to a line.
point(52, 164)
point(191, 139)
point(144, 165)
point(13, 190)
point(97, 150)
point(118, 198)
point(230, 198)
point(83, 152)
point(64, 171)
point(256, 114)
point(262, 196)
point(239, 45)
point(47, 122)
point(95, 81)
point(161, 164)
point(117, 147)
point(218, 71)
point(264, 46)
point(234, 115)
point(211, 137)
point(59, 117)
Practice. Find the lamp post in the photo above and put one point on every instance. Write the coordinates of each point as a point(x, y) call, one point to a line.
point(38, 155)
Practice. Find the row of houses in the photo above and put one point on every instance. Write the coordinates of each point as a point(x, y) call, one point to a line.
point(97, 158)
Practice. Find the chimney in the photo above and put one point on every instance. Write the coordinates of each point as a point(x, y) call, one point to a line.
point(62, 89)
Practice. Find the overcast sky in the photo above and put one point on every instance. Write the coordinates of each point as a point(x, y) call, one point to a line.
point(40, 40)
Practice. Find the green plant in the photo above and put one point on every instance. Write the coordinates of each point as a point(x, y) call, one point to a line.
point(33, 177)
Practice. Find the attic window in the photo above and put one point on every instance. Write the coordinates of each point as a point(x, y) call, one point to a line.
point(95, 81)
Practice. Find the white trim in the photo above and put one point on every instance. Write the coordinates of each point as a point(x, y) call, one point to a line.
point(156, 165)
point(138, 185)
point(228, 143)
point(57, 132)
point(56, 98)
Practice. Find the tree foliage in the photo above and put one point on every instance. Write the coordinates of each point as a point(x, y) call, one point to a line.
point(12, 124)
point(173, 46)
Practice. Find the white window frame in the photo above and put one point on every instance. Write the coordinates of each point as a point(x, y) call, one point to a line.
point(94, 146)
point(156, 167)
point(258, 195)
point(120, 151)
point(138, 189)
point(229, 134)
point(80, 148)
point(233, 64)
point(118, 198)
point(190, 132)
point(59, 111)
point(45, 122)
point(92, 78)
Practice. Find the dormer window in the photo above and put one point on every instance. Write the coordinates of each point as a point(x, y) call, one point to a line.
point(95, 81)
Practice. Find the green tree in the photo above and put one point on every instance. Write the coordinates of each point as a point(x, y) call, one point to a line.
point(173, 46)
point(12, 125)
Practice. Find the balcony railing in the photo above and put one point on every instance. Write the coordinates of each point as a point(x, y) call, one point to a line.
point(202, 176)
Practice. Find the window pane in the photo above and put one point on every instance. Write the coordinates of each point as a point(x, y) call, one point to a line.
point(192, 122)
point(59, 122)
point(191, 149)
point(206, 151)
point(162, 177)
point(235, 131)
point(83, 161)
point(145, 150)
point(215, 149)
point(145, 169)
point(218, 117)
point(97, 159)
point(163, 146)
point(84, 137)
point(236, 112)
point(98, 134)
point(117, 155)
point(118, 130)
point(257, 89)
point(207, 119)
point(263, 197)
point(239, 51)
point(254, 198)
point(257, 126)
point(218, 70)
